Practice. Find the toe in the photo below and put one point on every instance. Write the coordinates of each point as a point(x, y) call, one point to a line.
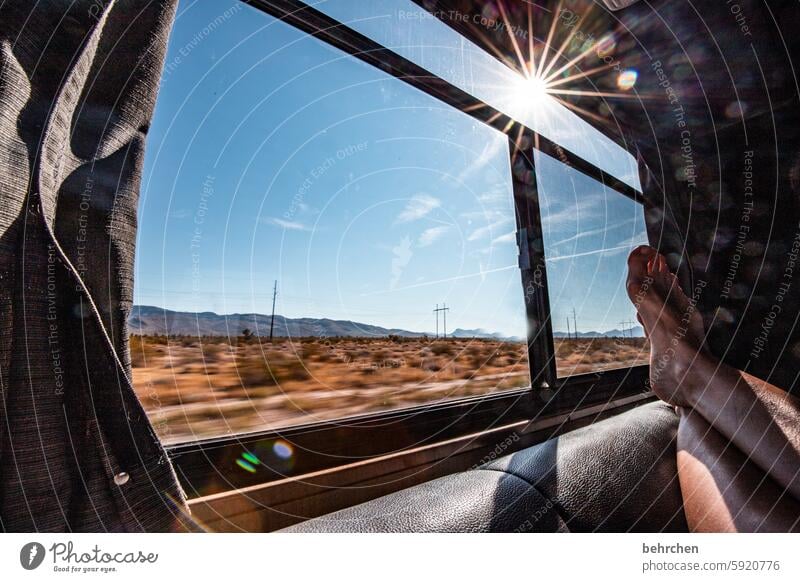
point(638, 268)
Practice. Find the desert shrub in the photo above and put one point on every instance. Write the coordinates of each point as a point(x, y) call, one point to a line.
point(291, 370)
point(442, 349)
point(213, 352)
point(187, 341)
point(431, 365)
point(309, 350)
point(514, 350)
point(477, 347)
point(253, 370)
point(144, 350)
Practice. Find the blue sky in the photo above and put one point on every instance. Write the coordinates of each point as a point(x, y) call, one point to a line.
point(274, 156)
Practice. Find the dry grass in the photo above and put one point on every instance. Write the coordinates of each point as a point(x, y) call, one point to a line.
point(592, 354)
point(200, 387)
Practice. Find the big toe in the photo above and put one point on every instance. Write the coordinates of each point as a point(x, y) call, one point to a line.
point(638, 270)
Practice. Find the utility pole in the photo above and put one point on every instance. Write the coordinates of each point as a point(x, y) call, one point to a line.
point(272, 320)
point(623, 324)
point(575, 322)
point(444, 309)
point(568, 334)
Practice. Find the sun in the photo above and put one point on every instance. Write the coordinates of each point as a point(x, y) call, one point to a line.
point(529, 92)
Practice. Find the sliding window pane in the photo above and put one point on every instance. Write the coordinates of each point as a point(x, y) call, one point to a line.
point(589, 230)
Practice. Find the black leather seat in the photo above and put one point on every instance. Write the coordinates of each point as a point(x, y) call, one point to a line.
point(616, 475)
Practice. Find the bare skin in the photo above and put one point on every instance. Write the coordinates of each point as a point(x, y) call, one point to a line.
point(738, 436)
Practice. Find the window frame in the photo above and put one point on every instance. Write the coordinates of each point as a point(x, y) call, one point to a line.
point(328, 444)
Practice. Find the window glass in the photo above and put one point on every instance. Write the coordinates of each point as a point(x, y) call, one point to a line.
point(419, 36)
point(589, 230)
point(281, 169)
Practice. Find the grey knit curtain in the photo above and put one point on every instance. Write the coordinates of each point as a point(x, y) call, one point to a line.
point(78, 84)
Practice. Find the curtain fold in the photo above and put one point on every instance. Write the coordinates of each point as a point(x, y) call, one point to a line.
point(78, 84)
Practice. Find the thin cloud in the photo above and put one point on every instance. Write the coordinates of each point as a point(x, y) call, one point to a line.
point(487, 214)
point(418, 207)
point(609, 251)
point(486, 231)
point(488, 155)
point(594, 231)
point(402, 254)
point(588, 210)
point(498, 193)
point(640, 238)
point(431, 235)
point(287, 224)
point(505, 238)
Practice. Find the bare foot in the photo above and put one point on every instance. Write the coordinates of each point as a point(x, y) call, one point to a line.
point(671, 322)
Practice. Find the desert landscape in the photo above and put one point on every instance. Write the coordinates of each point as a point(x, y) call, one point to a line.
point(199, 387)
point(582, 355)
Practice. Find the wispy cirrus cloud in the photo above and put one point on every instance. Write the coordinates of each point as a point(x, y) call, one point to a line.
point(497, 194)
point(505, 238)
point(431, 235)
point(489, 155)
point(587, 211)
point(286, 224)
point(418, 207)
point(609, 251)
point(489, 229)
point(595, 231)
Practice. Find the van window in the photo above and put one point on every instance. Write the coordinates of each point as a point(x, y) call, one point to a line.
point(377, 220)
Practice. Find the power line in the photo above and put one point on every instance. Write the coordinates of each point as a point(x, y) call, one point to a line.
point(575, 322)
point(627, 326)
point(444, 309)
point(272, 319)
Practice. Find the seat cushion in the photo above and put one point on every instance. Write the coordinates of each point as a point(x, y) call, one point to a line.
point(470, 502)
point(616, 475)
point(619, 474)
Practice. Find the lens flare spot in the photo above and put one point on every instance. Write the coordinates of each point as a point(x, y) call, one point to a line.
point(245, 465)
point(251, 458)
point(606, 46)
point(735, 109)
point(282, 450)
point(627, 79)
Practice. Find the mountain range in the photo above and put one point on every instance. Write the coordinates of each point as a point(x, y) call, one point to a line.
point(149, 320)
point(636, 331)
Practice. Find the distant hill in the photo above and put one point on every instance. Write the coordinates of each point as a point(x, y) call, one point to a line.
point(636, 331)
point(482, 333)
point(149, 320)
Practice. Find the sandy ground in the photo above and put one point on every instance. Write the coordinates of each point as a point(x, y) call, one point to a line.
point(201, 387)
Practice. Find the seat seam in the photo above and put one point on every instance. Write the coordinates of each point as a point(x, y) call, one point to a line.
point(532, 486)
